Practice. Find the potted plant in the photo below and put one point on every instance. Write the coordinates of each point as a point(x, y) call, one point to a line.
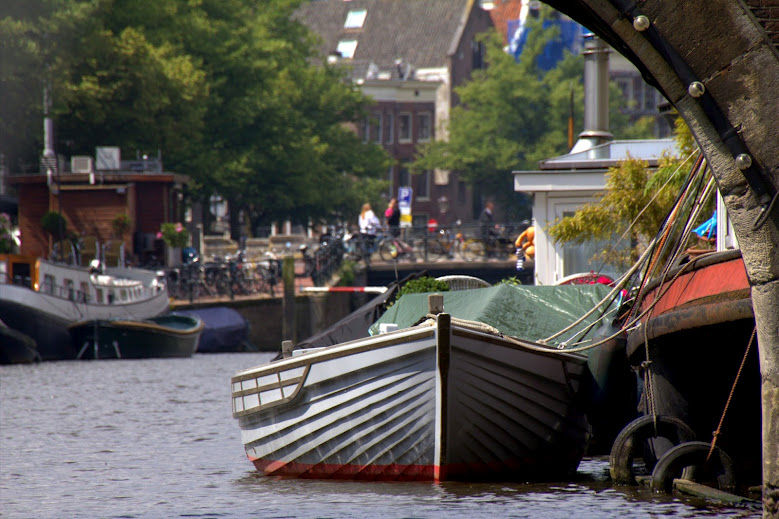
point(176, 237)
point(57, 228)
point(6, 238)
point(120, 225)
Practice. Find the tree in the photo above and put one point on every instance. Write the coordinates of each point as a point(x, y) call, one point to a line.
point(632, 190)
point(227, 90)
point(512, 115)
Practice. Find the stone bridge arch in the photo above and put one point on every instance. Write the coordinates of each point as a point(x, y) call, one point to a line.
point(717, 62)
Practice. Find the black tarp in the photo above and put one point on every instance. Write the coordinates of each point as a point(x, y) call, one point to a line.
point(226, 330)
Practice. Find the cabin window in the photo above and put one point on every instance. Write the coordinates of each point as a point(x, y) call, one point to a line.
point(83, 292)
point(48, 284)
point(70, 289)
point(99, 295)
point(123, 295)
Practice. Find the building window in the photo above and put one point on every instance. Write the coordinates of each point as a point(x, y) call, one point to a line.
point(366, 129)
point(477, 49)
point(376, 128)
point(423, 185)
point(424, 127)
point(355, 19)
point(346, 48)
point(390, 129)
point(404, 177)
point(404, 127)
point(461, 192)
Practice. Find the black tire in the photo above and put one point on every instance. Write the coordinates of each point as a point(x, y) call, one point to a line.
point(388, 251)
point(474, 250)
point(688, 461)
point(630, 443)
point(436, 250)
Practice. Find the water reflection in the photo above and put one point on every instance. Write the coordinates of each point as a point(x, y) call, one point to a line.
point(155, 438)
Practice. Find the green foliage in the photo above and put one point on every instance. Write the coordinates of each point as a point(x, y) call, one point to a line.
point(346, 274)
point(513, 280)
point(174, 234)
point(422, 285)
point(227, 90)
point(632, 189)
point(120, 225)
point(6, 239)
point(54, 224)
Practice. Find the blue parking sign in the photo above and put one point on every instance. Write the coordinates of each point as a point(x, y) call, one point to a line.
point(404, 196)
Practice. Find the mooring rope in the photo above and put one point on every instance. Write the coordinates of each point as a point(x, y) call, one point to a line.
point(730, 396)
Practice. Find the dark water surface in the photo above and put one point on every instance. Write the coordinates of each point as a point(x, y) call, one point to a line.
point(155, 438)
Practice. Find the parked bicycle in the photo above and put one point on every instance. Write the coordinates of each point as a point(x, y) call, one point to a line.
point(446, 243)
point(499, 247)
point(393, 248)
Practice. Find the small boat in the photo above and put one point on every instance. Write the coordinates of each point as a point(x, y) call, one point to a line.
point(226, 330)
point(16, 347)
point(446, 399)
point(41, 298)
point(170, 335)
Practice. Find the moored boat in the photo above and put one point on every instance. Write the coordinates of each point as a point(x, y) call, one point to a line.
point(447, 399)
point(170, 335)
point(697, 356)
point(16, 347)
point(41, 298)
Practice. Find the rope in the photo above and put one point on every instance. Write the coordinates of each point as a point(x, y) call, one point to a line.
point(730, 396)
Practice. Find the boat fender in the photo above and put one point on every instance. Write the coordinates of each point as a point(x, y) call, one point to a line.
point(630, 442)
point(690, 460)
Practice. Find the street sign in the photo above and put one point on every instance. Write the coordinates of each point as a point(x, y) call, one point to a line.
point(405, 194)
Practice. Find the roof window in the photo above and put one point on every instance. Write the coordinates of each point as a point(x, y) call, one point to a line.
point(346, 48)
point(355, 18)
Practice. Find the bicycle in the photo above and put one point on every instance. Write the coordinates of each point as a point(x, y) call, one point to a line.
point(394, 249)
point(447, 244)
point(500, 247)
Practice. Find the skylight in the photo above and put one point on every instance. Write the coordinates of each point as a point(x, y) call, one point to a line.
point(346, 48)
point(355, 19)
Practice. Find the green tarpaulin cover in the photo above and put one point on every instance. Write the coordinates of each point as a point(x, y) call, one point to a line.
point(531, 313)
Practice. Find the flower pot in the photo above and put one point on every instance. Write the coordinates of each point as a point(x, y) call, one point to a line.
point(172, 256)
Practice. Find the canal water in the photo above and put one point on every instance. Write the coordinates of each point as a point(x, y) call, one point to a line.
point(155, 439)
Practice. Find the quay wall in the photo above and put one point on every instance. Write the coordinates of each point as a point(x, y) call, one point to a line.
point(313, 313)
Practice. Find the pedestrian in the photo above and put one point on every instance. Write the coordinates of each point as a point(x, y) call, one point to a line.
point(392, 216)
point(369, 225)
point(488, 229)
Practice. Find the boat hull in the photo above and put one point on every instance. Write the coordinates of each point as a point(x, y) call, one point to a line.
point(431, 403)
point(696, 338)
point(45, 314)
point(161, 337)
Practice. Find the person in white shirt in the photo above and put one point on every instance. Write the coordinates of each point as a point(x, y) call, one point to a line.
point(369, 226)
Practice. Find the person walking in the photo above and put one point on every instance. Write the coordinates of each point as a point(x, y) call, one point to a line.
point(488, 229)
point(369, 225)
point(392, 216)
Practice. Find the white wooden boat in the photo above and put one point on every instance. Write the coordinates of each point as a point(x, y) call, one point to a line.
point(439, 401)
point(41, 298)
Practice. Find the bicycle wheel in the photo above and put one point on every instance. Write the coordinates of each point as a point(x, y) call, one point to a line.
point(473, 250)
point(436, 250)
point(388, 251)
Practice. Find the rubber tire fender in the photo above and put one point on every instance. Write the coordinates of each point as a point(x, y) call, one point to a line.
point(688, 458)
point(630, 442)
